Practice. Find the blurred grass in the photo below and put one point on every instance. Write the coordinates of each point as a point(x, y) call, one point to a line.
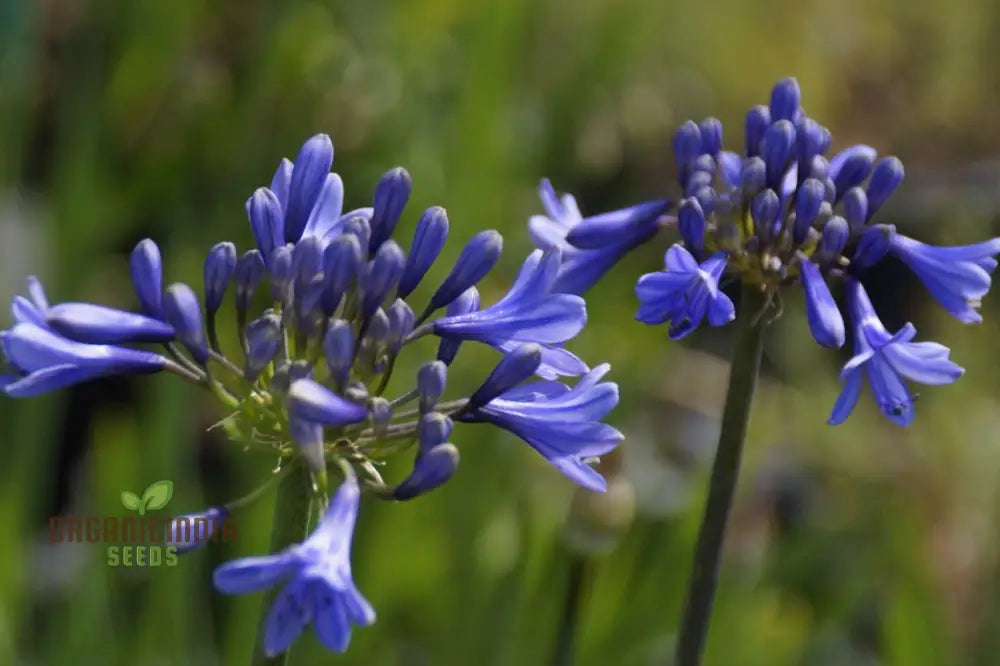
point(862, 544)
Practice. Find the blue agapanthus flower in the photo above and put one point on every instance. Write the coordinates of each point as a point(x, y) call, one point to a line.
point(561, 423)
point(782, 213)
point(309, 378)
point(887, 360)
point(318, 586)
point(685, 293)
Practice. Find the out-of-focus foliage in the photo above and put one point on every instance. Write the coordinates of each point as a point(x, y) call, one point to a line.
point(863, 544)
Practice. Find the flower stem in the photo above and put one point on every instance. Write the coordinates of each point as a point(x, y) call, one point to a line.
point(565, 651)
point(747, 347)
point(292, 510)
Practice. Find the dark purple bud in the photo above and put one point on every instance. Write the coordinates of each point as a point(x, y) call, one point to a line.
point(264, 340)
point(886, 177)
point(873, 245)
point(691, 224)
point(312, 401)
point(513, 369)
point(247, 276)
point(280, 183)
point(428, 239)
point(468, 301)
point(757, 121)
point(430, 470)
point(191, 531)
point(764, 209)
point(835, 234)
point(433, 429)
point(338, 348)
point(856, 207)
point(307, 265)
point(341, 261)
point(378, 327)
point(181, 310)
point(358, 223)
point(391, 194)
point(777, 149)
point(711, 135)
point(687, 144)
point(819, 168)
point(96, 324)
point(477, 258)
point(382, 276)
point(785, 99)
point(401, 321)
point(146, 267)
point(696, 181)
point(850, 167)
point(825, 321)
point(808, 200)
point(830, 190)
point(266, 221)
point(753, 176)
point(809, 138)
point(281, 273)
point(312, 165)
point(219, 266)
point(381, 415)
point(431, 379)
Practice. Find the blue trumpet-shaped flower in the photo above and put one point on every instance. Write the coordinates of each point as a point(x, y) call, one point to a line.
point(581, 268)
point(530, 312)
point(319, 589)
point(888, 360)
point(684, 294)
point(562, 424)
point(47, 361)
point(958, 277)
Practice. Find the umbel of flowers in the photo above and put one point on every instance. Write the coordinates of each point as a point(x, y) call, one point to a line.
point(309, 384)
point(783, 213)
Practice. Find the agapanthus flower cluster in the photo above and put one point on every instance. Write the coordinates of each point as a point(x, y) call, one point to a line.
point(311, 369)
point(782, 214)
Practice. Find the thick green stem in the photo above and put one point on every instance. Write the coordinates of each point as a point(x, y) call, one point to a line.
point(292, 511)
point(747, 347)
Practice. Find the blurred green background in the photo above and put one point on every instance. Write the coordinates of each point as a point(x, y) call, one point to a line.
point(863, 544)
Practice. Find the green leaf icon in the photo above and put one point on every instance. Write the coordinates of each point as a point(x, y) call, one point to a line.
point(157, 495)
point(131, 501)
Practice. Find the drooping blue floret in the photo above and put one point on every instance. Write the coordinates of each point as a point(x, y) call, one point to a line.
point(46, 361)
point(529, 312)
point(957, 277)
point(318, 586)
point(562, 424)
point(887, 360)
point(608, 237)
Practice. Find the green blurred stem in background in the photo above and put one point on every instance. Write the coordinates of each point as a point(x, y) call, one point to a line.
point(747, 347)
point(292, 511)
